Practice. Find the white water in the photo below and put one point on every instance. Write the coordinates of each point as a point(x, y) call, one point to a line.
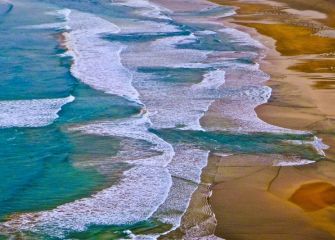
point(31, 113)
point(159, 186)
point(93, 56)
point(146, 8)
point(141, 190)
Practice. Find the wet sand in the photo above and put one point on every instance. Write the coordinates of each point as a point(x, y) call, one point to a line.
point(251, 198)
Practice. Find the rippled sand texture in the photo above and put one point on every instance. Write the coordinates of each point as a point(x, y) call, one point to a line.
point(251, 199)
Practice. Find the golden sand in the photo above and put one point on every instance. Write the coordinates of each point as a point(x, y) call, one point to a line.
point(295, 40)
point(323, 6)
point(315, 66)
point(251, 198)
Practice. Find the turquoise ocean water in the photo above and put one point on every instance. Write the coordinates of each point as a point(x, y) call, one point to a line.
point(112, 111)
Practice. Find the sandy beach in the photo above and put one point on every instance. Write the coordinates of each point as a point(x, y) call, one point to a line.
point(251, 198)
point(156, 119)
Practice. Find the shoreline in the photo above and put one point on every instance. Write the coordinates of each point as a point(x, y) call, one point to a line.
point(233, 179)
point(288, 71)
point(204, 192)
point(254, 184)
point(251, 200)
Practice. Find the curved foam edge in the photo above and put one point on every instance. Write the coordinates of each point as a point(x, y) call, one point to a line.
point(212, 80)
point(138, 194)
point(240, 98)
point(185, 182)
point(135, 128)
point(62, 13)
point(96, 61)
point(129, 201)
point(90, 52)
point(31, 113)
point(242, 37)
point(163, 108)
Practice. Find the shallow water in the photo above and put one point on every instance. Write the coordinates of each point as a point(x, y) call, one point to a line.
point(101, 135)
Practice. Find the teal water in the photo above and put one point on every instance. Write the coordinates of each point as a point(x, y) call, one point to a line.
point(42, 168)
point(37, 169)
point(29, 66)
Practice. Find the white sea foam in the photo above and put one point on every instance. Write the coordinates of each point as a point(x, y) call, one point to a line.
point(224, 12)
point(185, 182)
point(31, 113)
point(138, 201)
point(211, 80)
point(146, 8)
point(243, 91)
point(62, 13)
point(144, 27)
point(241, 37)
point(178, 105)
point(97, 61)
point(293, 163)
point(317, 144)
point(206, 32)
point(146, 190)
point(163, 112)
point(185, 157)
point(165, 107)
point(56, 26)
point(228, 14)
point(138, 194)
point(135, 198)
point(135, 128)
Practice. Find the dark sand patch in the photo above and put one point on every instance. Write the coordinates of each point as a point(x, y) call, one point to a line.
point(314, 196)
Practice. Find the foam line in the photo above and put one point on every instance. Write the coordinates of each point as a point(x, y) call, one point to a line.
point(294, 163)
point(135, 128)
point(129, 201)
point(185, 182)
point(31, 113)
point(242, 38)
point(138, 194)
point(157, 185)
point(97, 61)
point(56, 25)
point(212, 80)
point(165, 108)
